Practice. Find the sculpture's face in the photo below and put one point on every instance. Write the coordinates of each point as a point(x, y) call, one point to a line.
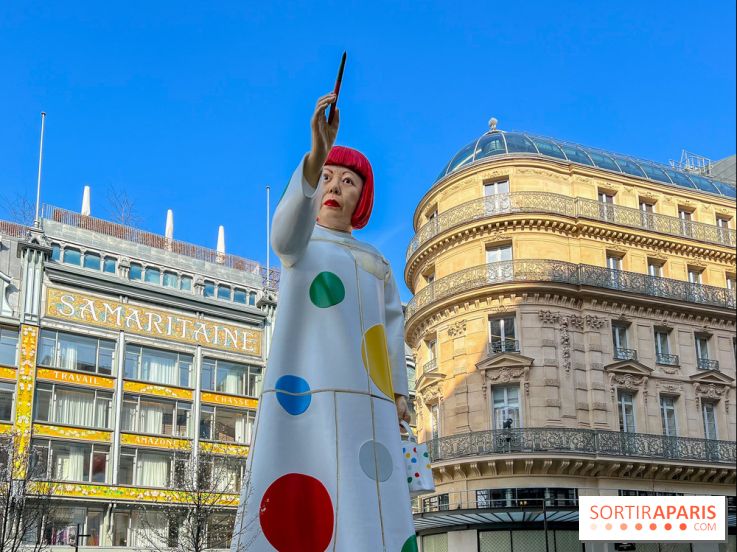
point(341, 189)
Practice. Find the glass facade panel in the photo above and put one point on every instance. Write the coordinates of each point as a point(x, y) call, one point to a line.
point(519, 143)
point(630, 167)
point(8, 347)
point(73, 257)
point(495, 541)
point(603, 161)
point(92, 261)
point(76, 352)
point(464, 157)
point(548, 148)
point(490, 144)
point(576, 155)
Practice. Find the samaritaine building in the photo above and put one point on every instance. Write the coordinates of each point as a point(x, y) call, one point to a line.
point(125, 357)
point(573, 325)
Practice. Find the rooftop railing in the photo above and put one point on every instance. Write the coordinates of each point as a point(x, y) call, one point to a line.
point(12, 229)
point(589, 442)
point(157, 241)
point(557, 204)
point(541, 270)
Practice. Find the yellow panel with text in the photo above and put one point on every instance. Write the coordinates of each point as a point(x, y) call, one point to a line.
point(157, 390)
point(228, 400)
point(66, 432)
point(150, 441)
point(75, 378)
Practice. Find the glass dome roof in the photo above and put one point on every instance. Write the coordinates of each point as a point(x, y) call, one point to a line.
point(498, 142)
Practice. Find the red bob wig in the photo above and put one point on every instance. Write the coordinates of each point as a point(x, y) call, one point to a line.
point(358, 163)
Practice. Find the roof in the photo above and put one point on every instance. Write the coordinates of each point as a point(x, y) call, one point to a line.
point(500, 143)
point(724, 170)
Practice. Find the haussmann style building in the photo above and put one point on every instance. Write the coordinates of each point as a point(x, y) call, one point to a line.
point(126, 356)
point(573, 326)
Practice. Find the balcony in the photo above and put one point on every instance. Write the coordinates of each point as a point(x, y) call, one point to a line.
point(707, 364)
point(665, 359)
point(578, 208)
point(625, 354)
point(503, 346)
point(587, 442)
point(542, 270)
point(430, 366)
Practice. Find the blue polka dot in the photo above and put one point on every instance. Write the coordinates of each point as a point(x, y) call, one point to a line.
point(293, 404)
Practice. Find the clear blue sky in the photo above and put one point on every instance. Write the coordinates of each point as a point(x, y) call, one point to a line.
point(198, 108)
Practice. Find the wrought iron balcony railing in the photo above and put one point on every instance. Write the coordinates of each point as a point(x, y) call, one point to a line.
point(557, 204)
point(666, 359)
point(430, 366)
point(540, 270)
point(596, 443)
point(479, 499)
point(707, 364)
point(625, 354)
point(503, 346)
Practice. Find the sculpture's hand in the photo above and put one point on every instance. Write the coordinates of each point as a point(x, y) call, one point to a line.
point(323, 138)
point(402, 408)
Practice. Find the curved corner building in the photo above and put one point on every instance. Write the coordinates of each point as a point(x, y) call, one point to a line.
point(573, 324)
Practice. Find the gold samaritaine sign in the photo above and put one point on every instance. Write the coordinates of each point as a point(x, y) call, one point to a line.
point(106, 313)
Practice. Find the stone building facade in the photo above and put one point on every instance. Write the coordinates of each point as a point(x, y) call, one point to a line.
point(573, 323)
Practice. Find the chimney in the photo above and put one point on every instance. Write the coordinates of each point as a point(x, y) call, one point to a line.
point(169, 232)
point(86, 202)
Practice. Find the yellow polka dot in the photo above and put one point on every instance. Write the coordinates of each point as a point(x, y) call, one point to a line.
point(376, 359)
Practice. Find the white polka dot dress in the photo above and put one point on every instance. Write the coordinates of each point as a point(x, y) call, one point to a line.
point(326, 470)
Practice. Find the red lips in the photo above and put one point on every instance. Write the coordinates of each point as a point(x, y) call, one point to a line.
point(331, 203)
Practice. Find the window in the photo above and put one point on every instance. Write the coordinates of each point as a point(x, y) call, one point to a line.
point(151, 468)
point(723, 222)
point(135, 272)
point(625, 402)
point(606, 205)
point(153, 276)
point(209, 289)
point(614, 261)
point(165, 367)
point(55, 252)
point(668, 415)
point(695, 275)
point(662, 348)
point(171, 280)
point(434, 504)
point(686, 216)
point(71, 406)
point(702, 346)
point(619, 340)
point(110, 265)
point(66, 461)
point(240, 296)
point(230, 377)
point(252, 298)
point(8, 347)
point(506, 407)
point(435, 421)
point(220, 530)
point(496, 197)
point(76, 352)
point(142, 529)
point(225, 424)
point(655, 268)
point(7, 394)
point(156, 417)
point(499, 253)
point(647, 210)
point(185, 283)
point(60, 527)
point(73, 257)
point(224, 292)
point(503, 336)
point(708, 410)
point(731, 281)
point(92, 261)
point(429, 276)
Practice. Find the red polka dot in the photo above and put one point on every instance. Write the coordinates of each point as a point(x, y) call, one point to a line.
point(297, 514)
point(668, 527)
point(608, 526)
point(683, 526)
point(638, 526)
point(623, 526)
point(653, 526)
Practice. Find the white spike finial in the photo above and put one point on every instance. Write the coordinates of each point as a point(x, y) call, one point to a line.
point(221, 240)
point(492, 123)
point(86, 201)
point(169, 232)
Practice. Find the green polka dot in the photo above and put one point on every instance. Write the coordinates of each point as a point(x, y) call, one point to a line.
point(326, 290)
point(410, 545)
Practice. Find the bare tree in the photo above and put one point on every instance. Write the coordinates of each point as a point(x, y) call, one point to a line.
point(25, 495)
point(19, 208)
point(204, 516)
point(122, 208)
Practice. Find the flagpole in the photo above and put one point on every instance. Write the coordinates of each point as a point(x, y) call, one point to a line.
point(268, 237)
point(36, 220)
